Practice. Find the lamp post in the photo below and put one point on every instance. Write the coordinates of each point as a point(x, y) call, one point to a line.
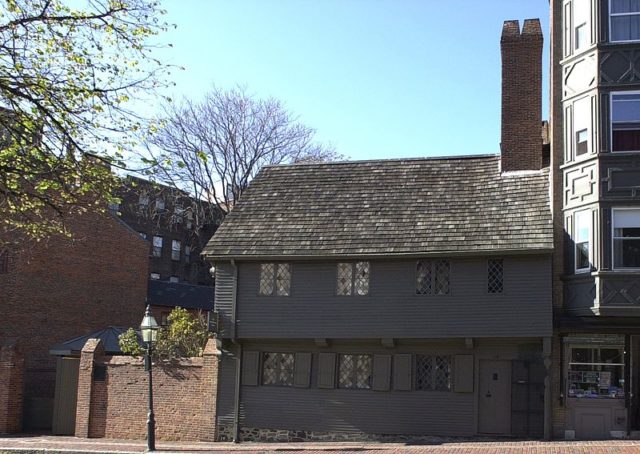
point(149, 330)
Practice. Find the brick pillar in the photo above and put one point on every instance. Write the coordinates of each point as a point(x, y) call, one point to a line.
point(211, 361)
point(11, 388)
point(91, 349)
point(521, 140)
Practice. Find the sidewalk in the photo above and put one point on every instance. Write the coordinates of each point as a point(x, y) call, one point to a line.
point(40, 444)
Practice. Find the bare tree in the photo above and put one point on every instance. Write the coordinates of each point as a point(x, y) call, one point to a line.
point(214, 147)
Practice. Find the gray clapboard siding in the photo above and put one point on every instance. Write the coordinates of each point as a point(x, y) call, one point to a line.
point(393, 310)
point(224, 295)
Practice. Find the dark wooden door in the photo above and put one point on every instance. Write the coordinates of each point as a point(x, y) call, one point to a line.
point(66, 395)
point(494, 401)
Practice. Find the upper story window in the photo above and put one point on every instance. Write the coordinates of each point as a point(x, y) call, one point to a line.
point(624, 16)
point(155, 276)
point(143, 235)
point(495, 272)
point(353, 278)
point(582, 126)
point(581, 24)
point(355, 372)
point(432, 277)
point(626, 238)
point(157, 246)
point(175, 250)
point(275, 279)
point(582, 241)
point(143, 199)
point(187, 254)
point(433, 373)
point(277, 369)
point(625, 121)
point(159, 203)
point(174, 279)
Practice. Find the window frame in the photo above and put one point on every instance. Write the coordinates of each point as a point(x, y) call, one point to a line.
point(354, 374)
point(613, 238)
point(587, 127)
point(353, 265)
point(489, 269)
point(274, 279)
point(434, 372)
point(588, 214)
point(592, 364)
point(156, 251)
point(174, 250)
point(611, 101)
point(611, 15)
point(575, 26)
point(153, 277)
point(278, 382)
point(174, 279)
point(433, 265)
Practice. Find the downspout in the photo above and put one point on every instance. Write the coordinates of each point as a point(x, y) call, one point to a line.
point(234, 339)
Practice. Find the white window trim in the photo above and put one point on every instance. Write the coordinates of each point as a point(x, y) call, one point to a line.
point(574, 29)
point(610, 28)
point(589, 214)
point(613, 227)
point(611, 95)
point(589, 128)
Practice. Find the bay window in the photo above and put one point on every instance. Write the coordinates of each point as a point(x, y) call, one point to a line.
point(582, 241)
point(626, 238)
point(625, 121)
point(624, 16)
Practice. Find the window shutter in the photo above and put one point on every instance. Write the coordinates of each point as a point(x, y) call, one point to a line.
point(463, 374)
point(327, 370)
point(302, 370)
point(250, 368)
point(402, 372)
point(381, 372)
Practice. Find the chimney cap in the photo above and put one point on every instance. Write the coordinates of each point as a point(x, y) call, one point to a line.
point(532, 27)
point(511, 29)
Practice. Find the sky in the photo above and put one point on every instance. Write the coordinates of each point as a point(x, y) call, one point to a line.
point(377, 79)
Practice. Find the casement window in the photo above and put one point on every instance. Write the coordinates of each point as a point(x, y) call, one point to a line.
point(626, 238)
point(582, 241)
point(596, 371)
point(433, 373)
point(187, 254)
point(495, 276)
point(582, 126)
point(353, 278)
point(581, 24)
point(355, 371)
point(157, 246)
point(155, 276)
point(159, 204)
point(624, 20)
point(176, 248)
point(4, 262)
point(432, 277)
point(174, 279)
point(275, 279)
point(625, 121)
point(278, 369)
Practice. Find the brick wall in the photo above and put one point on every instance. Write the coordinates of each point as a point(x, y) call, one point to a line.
point(69, 287)
point(184, 394)
point(11, 388)
point(521, 141)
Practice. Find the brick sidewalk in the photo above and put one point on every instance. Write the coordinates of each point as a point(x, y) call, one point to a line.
point(27, 444)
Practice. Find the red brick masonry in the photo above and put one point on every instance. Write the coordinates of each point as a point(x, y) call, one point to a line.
point(11, 388)
point(115, 406)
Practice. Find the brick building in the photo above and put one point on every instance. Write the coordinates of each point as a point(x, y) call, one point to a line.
point(67, 287)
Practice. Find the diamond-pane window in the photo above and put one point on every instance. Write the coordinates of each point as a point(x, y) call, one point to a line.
point(441, 284)
point(423, 277)
point(267, 275)
point(355, 372)
point(432, 277)
point(362, 278)
point(283, 279)
point(433, 373)
point(495, 270)
point(277, 369)
point(345, 278)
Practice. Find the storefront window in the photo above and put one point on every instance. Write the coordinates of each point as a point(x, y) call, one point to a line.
point(596, 372)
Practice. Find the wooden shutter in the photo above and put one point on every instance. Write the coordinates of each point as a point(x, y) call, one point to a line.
point(381, 372)
point(463, 374)
point(302, 370)
point(326, 370)
point(250, 368)
point(402, 372)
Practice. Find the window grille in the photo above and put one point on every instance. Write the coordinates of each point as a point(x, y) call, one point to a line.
point(344, 278)
point(355, 372)
point(362, 278)
point(495, 270)
point(353, 278)
point(277, 369)
point(275, 278)
point(433, 373)
point(432, 277)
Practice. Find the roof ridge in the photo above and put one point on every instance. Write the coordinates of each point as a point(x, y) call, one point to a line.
point(366, 161)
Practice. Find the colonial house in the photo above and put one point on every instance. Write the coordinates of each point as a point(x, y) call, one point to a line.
point(393, 298)
point(596, 154)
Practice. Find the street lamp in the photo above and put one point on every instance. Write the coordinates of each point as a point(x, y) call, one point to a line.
point(149, 330)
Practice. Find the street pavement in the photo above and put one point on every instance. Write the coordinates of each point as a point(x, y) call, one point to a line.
point(46, 444)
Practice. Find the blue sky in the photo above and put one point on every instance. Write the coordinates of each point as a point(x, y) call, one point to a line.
point(376, 78)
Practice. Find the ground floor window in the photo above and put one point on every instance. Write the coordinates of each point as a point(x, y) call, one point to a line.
point(596, 369)
point(433, 373)
point(277, 369)
point(355, 371)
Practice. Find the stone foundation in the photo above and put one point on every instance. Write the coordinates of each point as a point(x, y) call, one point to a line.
point(225, 433)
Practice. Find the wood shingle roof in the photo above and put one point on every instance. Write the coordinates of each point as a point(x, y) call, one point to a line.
point(431, 206)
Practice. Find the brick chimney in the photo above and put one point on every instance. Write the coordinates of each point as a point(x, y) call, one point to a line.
point(521, 141)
